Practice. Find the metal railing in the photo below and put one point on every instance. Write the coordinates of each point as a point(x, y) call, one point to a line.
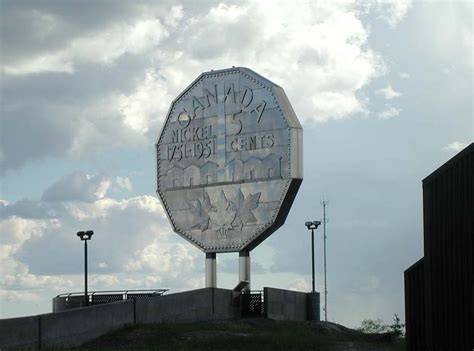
point(253, 303)
point(106, 296)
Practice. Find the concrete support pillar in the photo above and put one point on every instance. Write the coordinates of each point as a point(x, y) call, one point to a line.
point(244, 267)
point(211, 270)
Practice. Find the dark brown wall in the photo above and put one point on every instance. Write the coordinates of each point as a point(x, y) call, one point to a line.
point(448, 266)
point(415, 306)
point(449, 246)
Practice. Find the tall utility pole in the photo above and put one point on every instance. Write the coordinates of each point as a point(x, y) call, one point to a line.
point(325, 220)
point(312, 226)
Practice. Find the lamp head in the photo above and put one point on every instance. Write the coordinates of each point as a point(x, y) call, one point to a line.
point(85, 235)
point(313, 224)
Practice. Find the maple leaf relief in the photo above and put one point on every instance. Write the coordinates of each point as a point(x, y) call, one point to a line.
point(224, 215)
point(243, 207)
point(200, 215)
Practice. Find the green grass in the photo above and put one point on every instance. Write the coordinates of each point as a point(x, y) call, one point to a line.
point(236, 335)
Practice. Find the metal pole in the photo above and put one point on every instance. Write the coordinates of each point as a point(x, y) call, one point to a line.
point(86, 299)
point(312, 256)
point(325, 284)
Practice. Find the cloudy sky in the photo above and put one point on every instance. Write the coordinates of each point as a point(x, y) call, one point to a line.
point(383, 90)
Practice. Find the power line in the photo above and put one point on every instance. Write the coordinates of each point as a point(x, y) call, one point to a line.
point(324, 203)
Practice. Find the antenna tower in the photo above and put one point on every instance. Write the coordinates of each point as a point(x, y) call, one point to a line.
point(324, 203)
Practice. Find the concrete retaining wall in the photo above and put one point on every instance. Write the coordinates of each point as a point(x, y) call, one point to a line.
point(285, 304)
point(222, 305)
point(80, 325)
point(194, 305)
point(20, 332)
point(77, 326)
point(63, 329)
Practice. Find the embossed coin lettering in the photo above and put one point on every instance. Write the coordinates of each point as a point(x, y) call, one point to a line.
point(184, 119)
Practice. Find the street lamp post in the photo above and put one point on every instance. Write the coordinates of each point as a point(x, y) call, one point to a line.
point(312, 226)
point(85, 236)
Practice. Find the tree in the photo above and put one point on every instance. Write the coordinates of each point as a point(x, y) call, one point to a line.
point(377, 326)
point(397, 326)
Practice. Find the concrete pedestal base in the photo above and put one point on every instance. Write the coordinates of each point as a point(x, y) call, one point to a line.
point(313, 306)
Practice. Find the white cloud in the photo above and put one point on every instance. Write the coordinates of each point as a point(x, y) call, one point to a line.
point(9, 296)
point(456, 146)
point(16, 282)
point(132, 239)
point(324, 55)
point(39, 64)
point(404, 75)
point(388, 92)
point(17, 230)
point(162, 257)
point(299, 284)
point(227, 14)
point(174, 15)
point(318, 51)
point(105, 280)
point(390, 112)
point(147, 104)
point(392, 11)
point(25, 280)
point(123, 183)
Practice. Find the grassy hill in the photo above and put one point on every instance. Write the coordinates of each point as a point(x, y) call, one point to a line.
point(247, 334)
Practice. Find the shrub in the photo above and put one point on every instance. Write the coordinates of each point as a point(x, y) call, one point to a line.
point(377, 326)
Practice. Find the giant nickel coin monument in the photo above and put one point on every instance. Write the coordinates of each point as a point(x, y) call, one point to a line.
point(229, 163)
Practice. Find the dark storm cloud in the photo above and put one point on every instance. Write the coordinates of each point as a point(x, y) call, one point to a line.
point(43, 114)
point(28, 27)
point(59, 248)
point(28, 209)
point(32, 130)
point(74, 107)
point(76, 187)
point(89, 82)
